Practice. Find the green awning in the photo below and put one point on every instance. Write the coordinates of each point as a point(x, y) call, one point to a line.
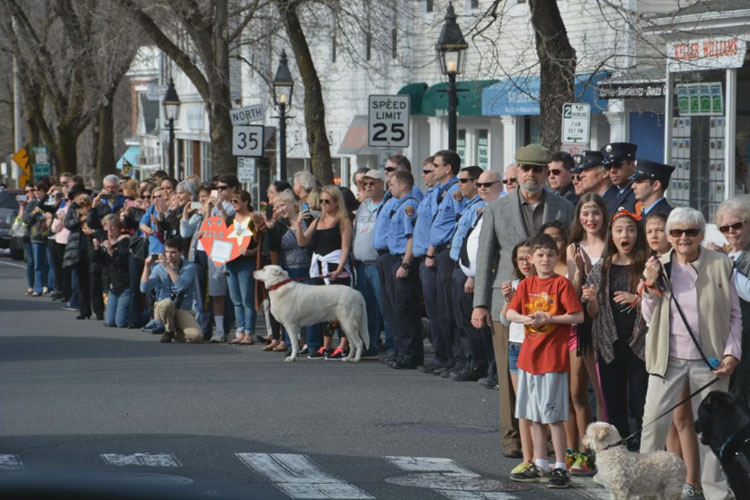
point(435, 99)
point(416, 92)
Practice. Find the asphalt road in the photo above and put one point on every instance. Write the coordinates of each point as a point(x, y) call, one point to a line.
point(81, 400)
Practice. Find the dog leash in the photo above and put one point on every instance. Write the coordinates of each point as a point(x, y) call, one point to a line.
point(667, 412)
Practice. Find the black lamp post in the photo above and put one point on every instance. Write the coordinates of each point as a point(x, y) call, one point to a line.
point(451, 48)
point(283, 86)
point(171, 104)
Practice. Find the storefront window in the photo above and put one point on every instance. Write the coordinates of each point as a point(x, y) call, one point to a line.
point(482, 149)
point(461, 145)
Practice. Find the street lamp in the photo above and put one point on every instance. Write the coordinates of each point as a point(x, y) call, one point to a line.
point(451, 48)
point(171, 110)
point(283, 86)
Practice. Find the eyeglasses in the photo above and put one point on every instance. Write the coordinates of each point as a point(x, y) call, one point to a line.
point(486, 184)
point(690, 233)
point(235, 201)
point(390, 169)
point(222, 188)
point(325, 201)
point(427, 171)
point(538, 169)
point(555, 171)
point(735, 227)
point(510, 180)
point(464, 181)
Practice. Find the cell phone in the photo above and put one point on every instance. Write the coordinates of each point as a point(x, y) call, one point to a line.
point(316, 213)
point(305, 206)
point(22, 197)
point(196, 205)
point(215, 194)
point(155, 257)
point(130, 203)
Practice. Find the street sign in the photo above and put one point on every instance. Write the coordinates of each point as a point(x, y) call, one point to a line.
point(576, 121)
point(40, 154)
point(41, 170)
point(243, 116)
point(246, 170)
point(574, 149)
point(247, 140)
point(388, 121)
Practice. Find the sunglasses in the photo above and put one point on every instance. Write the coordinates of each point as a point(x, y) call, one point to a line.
point(575, 177)
point(235, 201)
point(145, 196)
point(736, 227)
point(222, 188)
point(325, 201)
point(555, 171)
point(511, 180)
point(370, 183)
point(690, 233)
point(538, 169)
point(486, 184)
point(427, 171)
point(390, 169)
point(464, 181)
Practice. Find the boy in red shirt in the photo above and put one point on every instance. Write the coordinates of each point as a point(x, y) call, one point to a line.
point(547, 305)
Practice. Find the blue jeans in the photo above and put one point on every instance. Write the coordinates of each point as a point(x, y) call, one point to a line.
point(242, 291)
point(313, 333)
point(29, 256)
point(368, 284)
point(40, 266)
point(51, 278)
point(118, 306)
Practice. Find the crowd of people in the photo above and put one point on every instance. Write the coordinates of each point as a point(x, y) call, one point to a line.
point(564, 277)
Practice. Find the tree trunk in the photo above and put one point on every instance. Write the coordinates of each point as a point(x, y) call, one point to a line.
point(65, 154)
point(317, 139)
point(105, 148)
point(557, 61)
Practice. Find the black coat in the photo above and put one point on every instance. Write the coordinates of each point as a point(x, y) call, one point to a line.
point(114, 267)
point(79, 245)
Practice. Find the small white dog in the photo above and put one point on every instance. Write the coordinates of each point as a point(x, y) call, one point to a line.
point(296, 305)
point(627, 475)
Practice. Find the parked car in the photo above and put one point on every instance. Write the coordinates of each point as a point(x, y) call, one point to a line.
point(8, 212)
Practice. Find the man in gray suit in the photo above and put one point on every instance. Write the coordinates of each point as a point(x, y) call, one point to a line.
point(507, 221)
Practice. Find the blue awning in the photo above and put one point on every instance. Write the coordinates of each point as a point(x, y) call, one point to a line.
point(130, 157)
point(518, 96)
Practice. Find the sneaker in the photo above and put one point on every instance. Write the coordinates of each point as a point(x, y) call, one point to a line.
point(558, 479)
point(304, 350)
point(530, 474)
point(338, 353)
point(319, 354)
point(68, 307)
point(166, 338)
point(570, 458)
point(583, 465)
point(521, 468)
point(218, 338)
point(690, 492)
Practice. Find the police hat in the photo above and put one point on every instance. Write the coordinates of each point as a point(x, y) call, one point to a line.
point(533, 154)
point(587, 160)
point(617, 152)
point(647, 169)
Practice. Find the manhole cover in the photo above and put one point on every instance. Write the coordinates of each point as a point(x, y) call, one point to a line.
point(438, 481)
point(438, 428)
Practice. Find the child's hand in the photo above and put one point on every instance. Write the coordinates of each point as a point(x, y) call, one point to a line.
point(507, 288)
point(653, 268)
point(589, 293)
point(625, 298)
point(539, 318)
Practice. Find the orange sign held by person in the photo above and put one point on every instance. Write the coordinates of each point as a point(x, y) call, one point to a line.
point(223, 243)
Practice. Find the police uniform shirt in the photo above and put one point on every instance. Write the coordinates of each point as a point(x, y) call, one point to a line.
point(425, 213)
point(469, 216)
point(402, 223)
point(610, 197)
point(659, 206)
point(445, 219)
point(382, 223)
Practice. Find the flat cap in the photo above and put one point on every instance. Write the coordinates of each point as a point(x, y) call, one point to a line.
point(533, 154)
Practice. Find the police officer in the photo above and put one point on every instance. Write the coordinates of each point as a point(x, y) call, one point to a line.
point(427, 275)
point(450, 204)
point(468, 345)
point(404, 279)
point(650, 180)
point(594, 178)
point(619, 158)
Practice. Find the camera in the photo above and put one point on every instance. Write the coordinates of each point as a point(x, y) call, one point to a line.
point(155, 257)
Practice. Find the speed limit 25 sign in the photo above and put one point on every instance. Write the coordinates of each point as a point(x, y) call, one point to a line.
point(247, 140)
point(388, 121)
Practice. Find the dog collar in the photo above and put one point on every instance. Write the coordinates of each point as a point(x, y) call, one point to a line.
point(279, 285)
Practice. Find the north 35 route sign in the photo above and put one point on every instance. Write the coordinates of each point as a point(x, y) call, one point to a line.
point(247, 140)
point(388, 121)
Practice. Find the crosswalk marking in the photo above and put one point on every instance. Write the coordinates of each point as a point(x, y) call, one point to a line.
point(143, 459)
point(299, 477)
point(10, 462)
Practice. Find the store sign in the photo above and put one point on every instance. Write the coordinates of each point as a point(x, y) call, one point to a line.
point(700, 99)
point(705, 54)
point(631, 90)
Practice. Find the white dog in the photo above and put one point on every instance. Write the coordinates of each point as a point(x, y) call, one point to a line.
point(296, 305)
point(627, 475)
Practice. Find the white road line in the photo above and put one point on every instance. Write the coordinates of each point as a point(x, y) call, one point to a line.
point(142, 459)
point(429, 464)
point(12, 264)
point(10, 462)
point(299, 477)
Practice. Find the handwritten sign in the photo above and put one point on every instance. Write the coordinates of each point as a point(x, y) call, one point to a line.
point(223, 243)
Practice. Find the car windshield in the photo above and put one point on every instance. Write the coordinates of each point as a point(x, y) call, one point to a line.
point(8, 200)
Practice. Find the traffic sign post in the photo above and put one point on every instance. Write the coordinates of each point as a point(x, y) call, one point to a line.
point(41, 170)
point(243, 116)
point(576, 123)
point(247, 140)
point(246, 170)
point(388, 121)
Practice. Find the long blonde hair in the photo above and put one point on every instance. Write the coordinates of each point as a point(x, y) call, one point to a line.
point(335, 193)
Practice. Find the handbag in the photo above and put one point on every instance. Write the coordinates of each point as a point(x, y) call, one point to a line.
point(19, 229)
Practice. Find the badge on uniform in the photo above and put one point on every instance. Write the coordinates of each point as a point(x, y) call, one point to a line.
point(457, 195)
point(409, 210)
point(479, 211)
